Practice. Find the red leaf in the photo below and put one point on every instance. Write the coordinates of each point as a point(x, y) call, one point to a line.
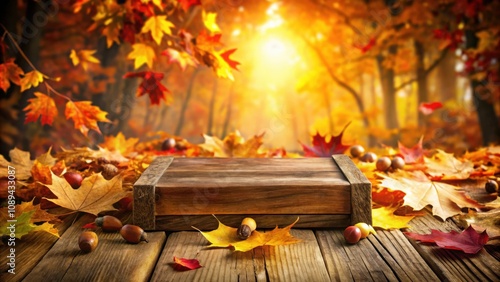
point(186, 4)
point(468, 241)
point(231, 63)
point(414, 154)
point(429, 108)
point(388, 198)
point(182, 264)
point(151, 85)
point(321, 148)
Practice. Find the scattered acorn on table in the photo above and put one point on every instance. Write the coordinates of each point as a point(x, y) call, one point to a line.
point(108, 223)
point(247, 226)
point(88, 241)
point(133, 234)
point(360, 230)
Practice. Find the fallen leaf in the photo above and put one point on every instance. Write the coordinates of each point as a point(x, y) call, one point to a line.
point(25, 217)
point(31, 79)
point(83, 58)
point(151, 85)
point(158, 26)
point(95, 195)
point(20, 161)
point(445, 199)
point(85, 116)
point(385, 218)
point(468, 241)
point(42, 107)
point(183, 264)
point(225, 236)
point(482, 221)
point(210, 21)
point(233, 146)
point(446, 166)
point(119, 143)
point(142, 54)
point(10, 72)
point(414, 154)
point(387, 197)
point(429, 108)
point(321, 148)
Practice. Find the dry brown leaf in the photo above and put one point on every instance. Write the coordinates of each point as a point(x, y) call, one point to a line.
point(20, 161)
point(446, 166)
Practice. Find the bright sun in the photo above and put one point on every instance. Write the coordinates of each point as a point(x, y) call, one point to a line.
point(274, 48)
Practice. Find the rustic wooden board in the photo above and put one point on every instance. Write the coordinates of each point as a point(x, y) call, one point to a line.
point(207, 222)
point(112, 260)
point(29, 251)
point(452, 265)
point(298, 262)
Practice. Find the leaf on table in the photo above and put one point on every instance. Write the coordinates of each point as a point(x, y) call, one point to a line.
point(46, 158)
point(83, 58)
point(321, 148)
point(119, 143)
point(158, 26)
point(142, 54)
point(233, 146)
point(10, 72)
point(387, 197)
point(445, 199)
point(43, 107)
point(225, 236)
point(414, 154)
point(385, 218)
point(468, 241)
point(446, 166)
point(183, 264)
point(151, 85)
point(31, 79)
point(482, 221)
point(184, 59)
point(210, 21)
point(26, 215)
point(85, 116)
point(39, 214)
point(95, 195)
point(20, 161)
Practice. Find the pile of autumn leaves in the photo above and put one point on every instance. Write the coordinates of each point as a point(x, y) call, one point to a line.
point(427, 180)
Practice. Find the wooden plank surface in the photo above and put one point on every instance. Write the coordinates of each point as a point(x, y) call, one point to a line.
point(298, 262)
point(112, 260)
point(29, 251)
point(207, 222)
point(452, 265)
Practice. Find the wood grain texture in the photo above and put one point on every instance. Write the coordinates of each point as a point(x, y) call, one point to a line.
point(453, 265)
point(144, 193)
point(29, 251)
point(207, 222)
point(112, 260)
point(361, 190)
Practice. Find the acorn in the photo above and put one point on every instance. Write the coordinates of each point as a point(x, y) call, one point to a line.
point(133, 234)
point(74, 179)
point(491, 186)
point(397, 163)
point(357, 151)
point(352, 234)
point(88, 241)
point(168, 144)
point(109, 171)
point(109, 223)
point(383, 164)
point(368, 157)
point(247, 226)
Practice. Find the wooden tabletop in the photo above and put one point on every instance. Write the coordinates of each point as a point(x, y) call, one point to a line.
point(323, 255)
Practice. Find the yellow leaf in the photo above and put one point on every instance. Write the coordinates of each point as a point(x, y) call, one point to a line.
point(20, 161)
point(83, 57)
point(142, 54)
point(96, 194)
point(385, 218)
point(210, 21)
point(112, 33)
point(447, 166)
point(225, 236)
point(158, 26)
point(119, 143)
point(31, 79)
point(27, 215)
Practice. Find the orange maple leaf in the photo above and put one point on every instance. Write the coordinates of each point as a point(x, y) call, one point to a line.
point(85, 116)
point(42, 106)
point(10, 72)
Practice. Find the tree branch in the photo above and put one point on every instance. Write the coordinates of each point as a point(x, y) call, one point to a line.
point(427, 70)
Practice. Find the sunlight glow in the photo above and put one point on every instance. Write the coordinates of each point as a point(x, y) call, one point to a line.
point(274, 48)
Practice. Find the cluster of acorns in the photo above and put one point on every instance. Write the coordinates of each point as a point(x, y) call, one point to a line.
point(131, 233)
point(382, 163)
point(354, 233)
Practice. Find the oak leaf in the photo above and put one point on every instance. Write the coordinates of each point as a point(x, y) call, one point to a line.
point(210, 21)
point(95, 195)
point(183, 264)
point(158, 26)
point(151, 85)
point(83, 57)
point(446, 166)
point(142, 54)
point(385, 218)
point(468, 241)
point(414, 154)
point(184, 59)
point(321, 148)
point(225, 236)
point(31, 79)
point(20, 161)
point(10, 72)
point(445, 199)
point(85, 116)
point(43, 107)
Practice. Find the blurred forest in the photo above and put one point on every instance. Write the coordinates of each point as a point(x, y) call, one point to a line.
point(395, 70)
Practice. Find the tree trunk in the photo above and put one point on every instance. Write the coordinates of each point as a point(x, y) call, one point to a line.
point(387, 82)
point(328, 109)
point(423, 95)
point(180, 123)
point(229, 110)
point(446, 78)
point(212, 107)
